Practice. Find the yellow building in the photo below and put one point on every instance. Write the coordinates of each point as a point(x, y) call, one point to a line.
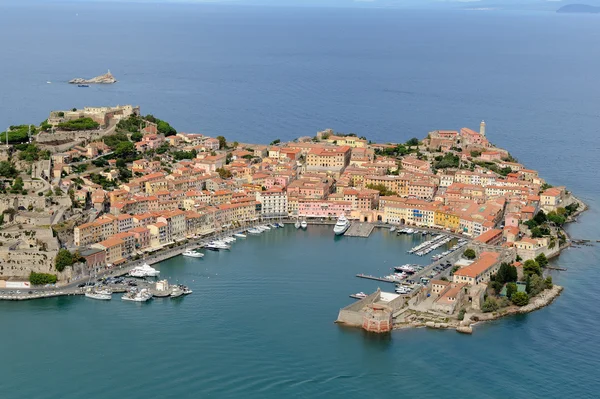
point(446, 219)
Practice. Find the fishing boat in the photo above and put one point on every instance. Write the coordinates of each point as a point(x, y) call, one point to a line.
point(193, 254)
point(185, 289)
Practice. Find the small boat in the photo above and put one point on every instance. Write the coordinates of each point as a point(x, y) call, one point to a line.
point(360, 295)
point(254, 230)
point(193, 254)
point(49, 82)
point(102, 296)
point(392, 229)
point(83, 85)
point(297, 224)
point(176, 292)
point(229, 239)
point(303, 224)
point(185, 289)
point(239, 235)
point(264, 227)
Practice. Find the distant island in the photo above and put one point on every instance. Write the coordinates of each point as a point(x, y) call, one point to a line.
point(107, 78)
point(578, 9)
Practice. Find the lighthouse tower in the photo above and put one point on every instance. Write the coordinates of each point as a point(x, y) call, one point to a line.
point(482, 128)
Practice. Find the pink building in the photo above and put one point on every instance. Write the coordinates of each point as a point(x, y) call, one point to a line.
point(491, 156)
point(321, 208)
point(511, 220)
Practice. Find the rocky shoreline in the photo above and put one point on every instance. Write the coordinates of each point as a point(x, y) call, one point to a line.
point(465, 326)
point(107, 78)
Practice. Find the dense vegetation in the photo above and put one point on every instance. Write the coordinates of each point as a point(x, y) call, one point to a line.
point(131, 124)
point(494, 167)
point(63, 259)
point(383, 190)
point(7, 169)
point(162, 126)
point(179, 155)
point(18, 134)
point(113, 140)
point(31, 152)
point(42, 278)
point(449, 160)
point(79, 124)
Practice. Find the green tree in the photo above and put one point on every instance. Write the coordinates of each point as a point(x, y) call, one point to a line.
point(7, 169)
point(125, 149)
point(469, 254)
point(542, 260)
point(548, 283)
point(224, 173)
point(275, 142)
point(461, 314)
point(63, 259)
point(412, 142)
point(520, 298)
point(540, 217)
point(506, 273)
point(537, 232)
point(136, 137)
point(511, 288)
point(222, 142)
point(536, 285)
point(557, 219)
point(383, 190)
point(475, 154)
point(531, 267)
point(490, 305)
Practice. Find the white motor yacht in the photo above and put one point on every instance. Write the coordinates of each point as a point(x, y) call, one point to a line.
point(254, 231)
point(137, 296)
point(220, 245)
point(303, 224)
point(228, 239)
point(297, 224)
point(103, 296)
point(341, 226)
point(239, 235)
point(392, 229)
point(193, 254)
point(144, 271)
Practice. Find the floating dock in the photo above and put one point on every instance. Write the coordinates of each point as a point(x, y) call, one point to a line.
point(369, 277)
point(358, 229)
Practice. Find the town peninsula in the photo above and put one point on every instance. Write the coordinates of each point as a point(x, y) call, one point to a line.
point(91, 191)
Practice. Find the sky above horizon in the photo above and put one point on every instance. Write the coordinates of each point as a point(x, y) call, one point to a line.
point(492, 4)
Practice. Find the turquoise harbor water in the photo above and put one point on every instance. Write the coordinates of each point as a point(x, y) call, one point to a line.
point(260, 321)
point(260, 324)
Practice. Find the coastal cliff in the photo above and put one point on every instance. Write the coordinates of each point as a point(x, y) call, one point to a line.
point(107, 78)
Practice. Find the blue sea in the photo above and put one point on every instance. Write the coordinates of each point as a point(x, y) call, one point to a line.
point(260, 321)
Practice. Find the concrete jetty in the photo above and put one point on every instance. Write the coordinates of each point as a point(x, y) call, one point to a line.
point(358, 229)
point(369, 277)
